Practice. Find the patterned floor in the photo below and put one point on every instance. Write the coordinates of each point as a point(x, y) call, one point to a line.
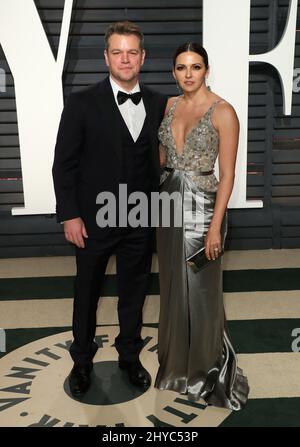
point(262, 302)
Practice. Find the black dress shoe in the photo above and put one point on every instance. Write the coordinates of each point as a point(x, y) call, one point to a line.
point(137, 374)
point(79, 379)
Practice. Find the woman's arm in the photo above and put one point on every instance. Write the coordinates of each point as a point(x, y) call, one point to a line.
point(227, 123)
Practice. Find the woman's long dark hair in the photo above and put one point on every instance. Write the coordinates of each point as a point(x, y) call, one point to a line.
point(192, 46)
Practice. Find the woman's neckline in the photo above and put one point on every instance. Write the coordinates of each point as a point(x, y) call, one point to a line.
point(198, 121)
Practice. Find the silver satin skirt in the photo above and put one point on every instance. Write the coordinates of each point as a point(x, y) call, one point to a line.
point(195, 353)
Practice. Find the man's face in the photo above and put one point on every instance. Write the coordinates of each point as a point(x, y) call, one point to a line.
point(124, 57)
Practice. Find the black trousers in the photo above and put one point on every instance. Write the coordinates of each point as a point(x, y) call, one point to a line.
point(133, 250)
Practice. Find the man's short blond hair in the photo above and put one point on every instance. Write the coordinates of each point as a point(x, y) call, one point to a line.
point(124, 28)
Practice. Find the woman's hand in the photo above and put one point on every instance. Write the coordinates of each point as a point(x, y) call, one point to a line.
point(213, 243)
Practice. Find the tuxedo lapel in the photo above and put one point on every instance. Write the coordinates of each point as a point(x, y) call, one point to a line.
point(110, 117)
point(151, 119)
point(147, 99)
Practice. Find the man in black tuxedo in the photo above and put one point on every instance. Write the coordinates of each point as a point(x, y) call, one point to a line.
point(107, 137)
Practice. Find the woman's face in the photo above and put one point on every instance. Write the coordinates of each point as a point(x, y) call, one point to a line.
point(190, 71)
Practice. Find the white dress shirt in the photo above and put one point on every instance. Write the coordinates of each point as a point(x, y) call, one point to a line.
point(133, 115)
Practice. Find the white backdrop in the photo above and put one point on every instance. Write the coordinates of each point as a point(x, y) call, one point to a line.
point(39, 95)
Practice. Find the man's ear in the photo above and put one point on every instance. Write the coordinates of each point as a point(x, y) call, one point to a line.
point(106, 57)
point(143, 56)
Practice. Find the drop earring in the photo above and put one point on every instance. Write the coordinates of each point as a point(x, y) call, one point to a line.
point(207, 86)
point(178, 88)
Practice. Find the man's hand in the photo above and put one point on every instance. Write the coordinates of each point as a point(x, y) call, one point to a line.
point(75, 231)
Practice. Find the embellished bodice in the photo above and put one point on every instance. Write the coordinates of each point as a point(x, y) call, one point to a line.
point(200, 149)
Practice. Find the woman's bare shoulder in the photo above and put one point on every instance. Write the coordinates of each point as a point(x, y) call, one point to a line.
point(224, 113)
point(170, 103)
point(223, 107)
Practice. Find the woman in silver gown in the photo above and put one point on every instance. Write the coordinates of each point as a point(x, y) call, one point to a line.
point(195, 353)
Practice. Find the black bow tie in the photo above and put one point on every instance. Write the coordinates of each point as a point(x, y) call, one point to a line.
point(135, 97)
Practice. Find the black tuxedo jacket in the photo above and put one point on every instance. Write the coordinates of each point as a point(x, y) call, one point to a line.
point(88, 152)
